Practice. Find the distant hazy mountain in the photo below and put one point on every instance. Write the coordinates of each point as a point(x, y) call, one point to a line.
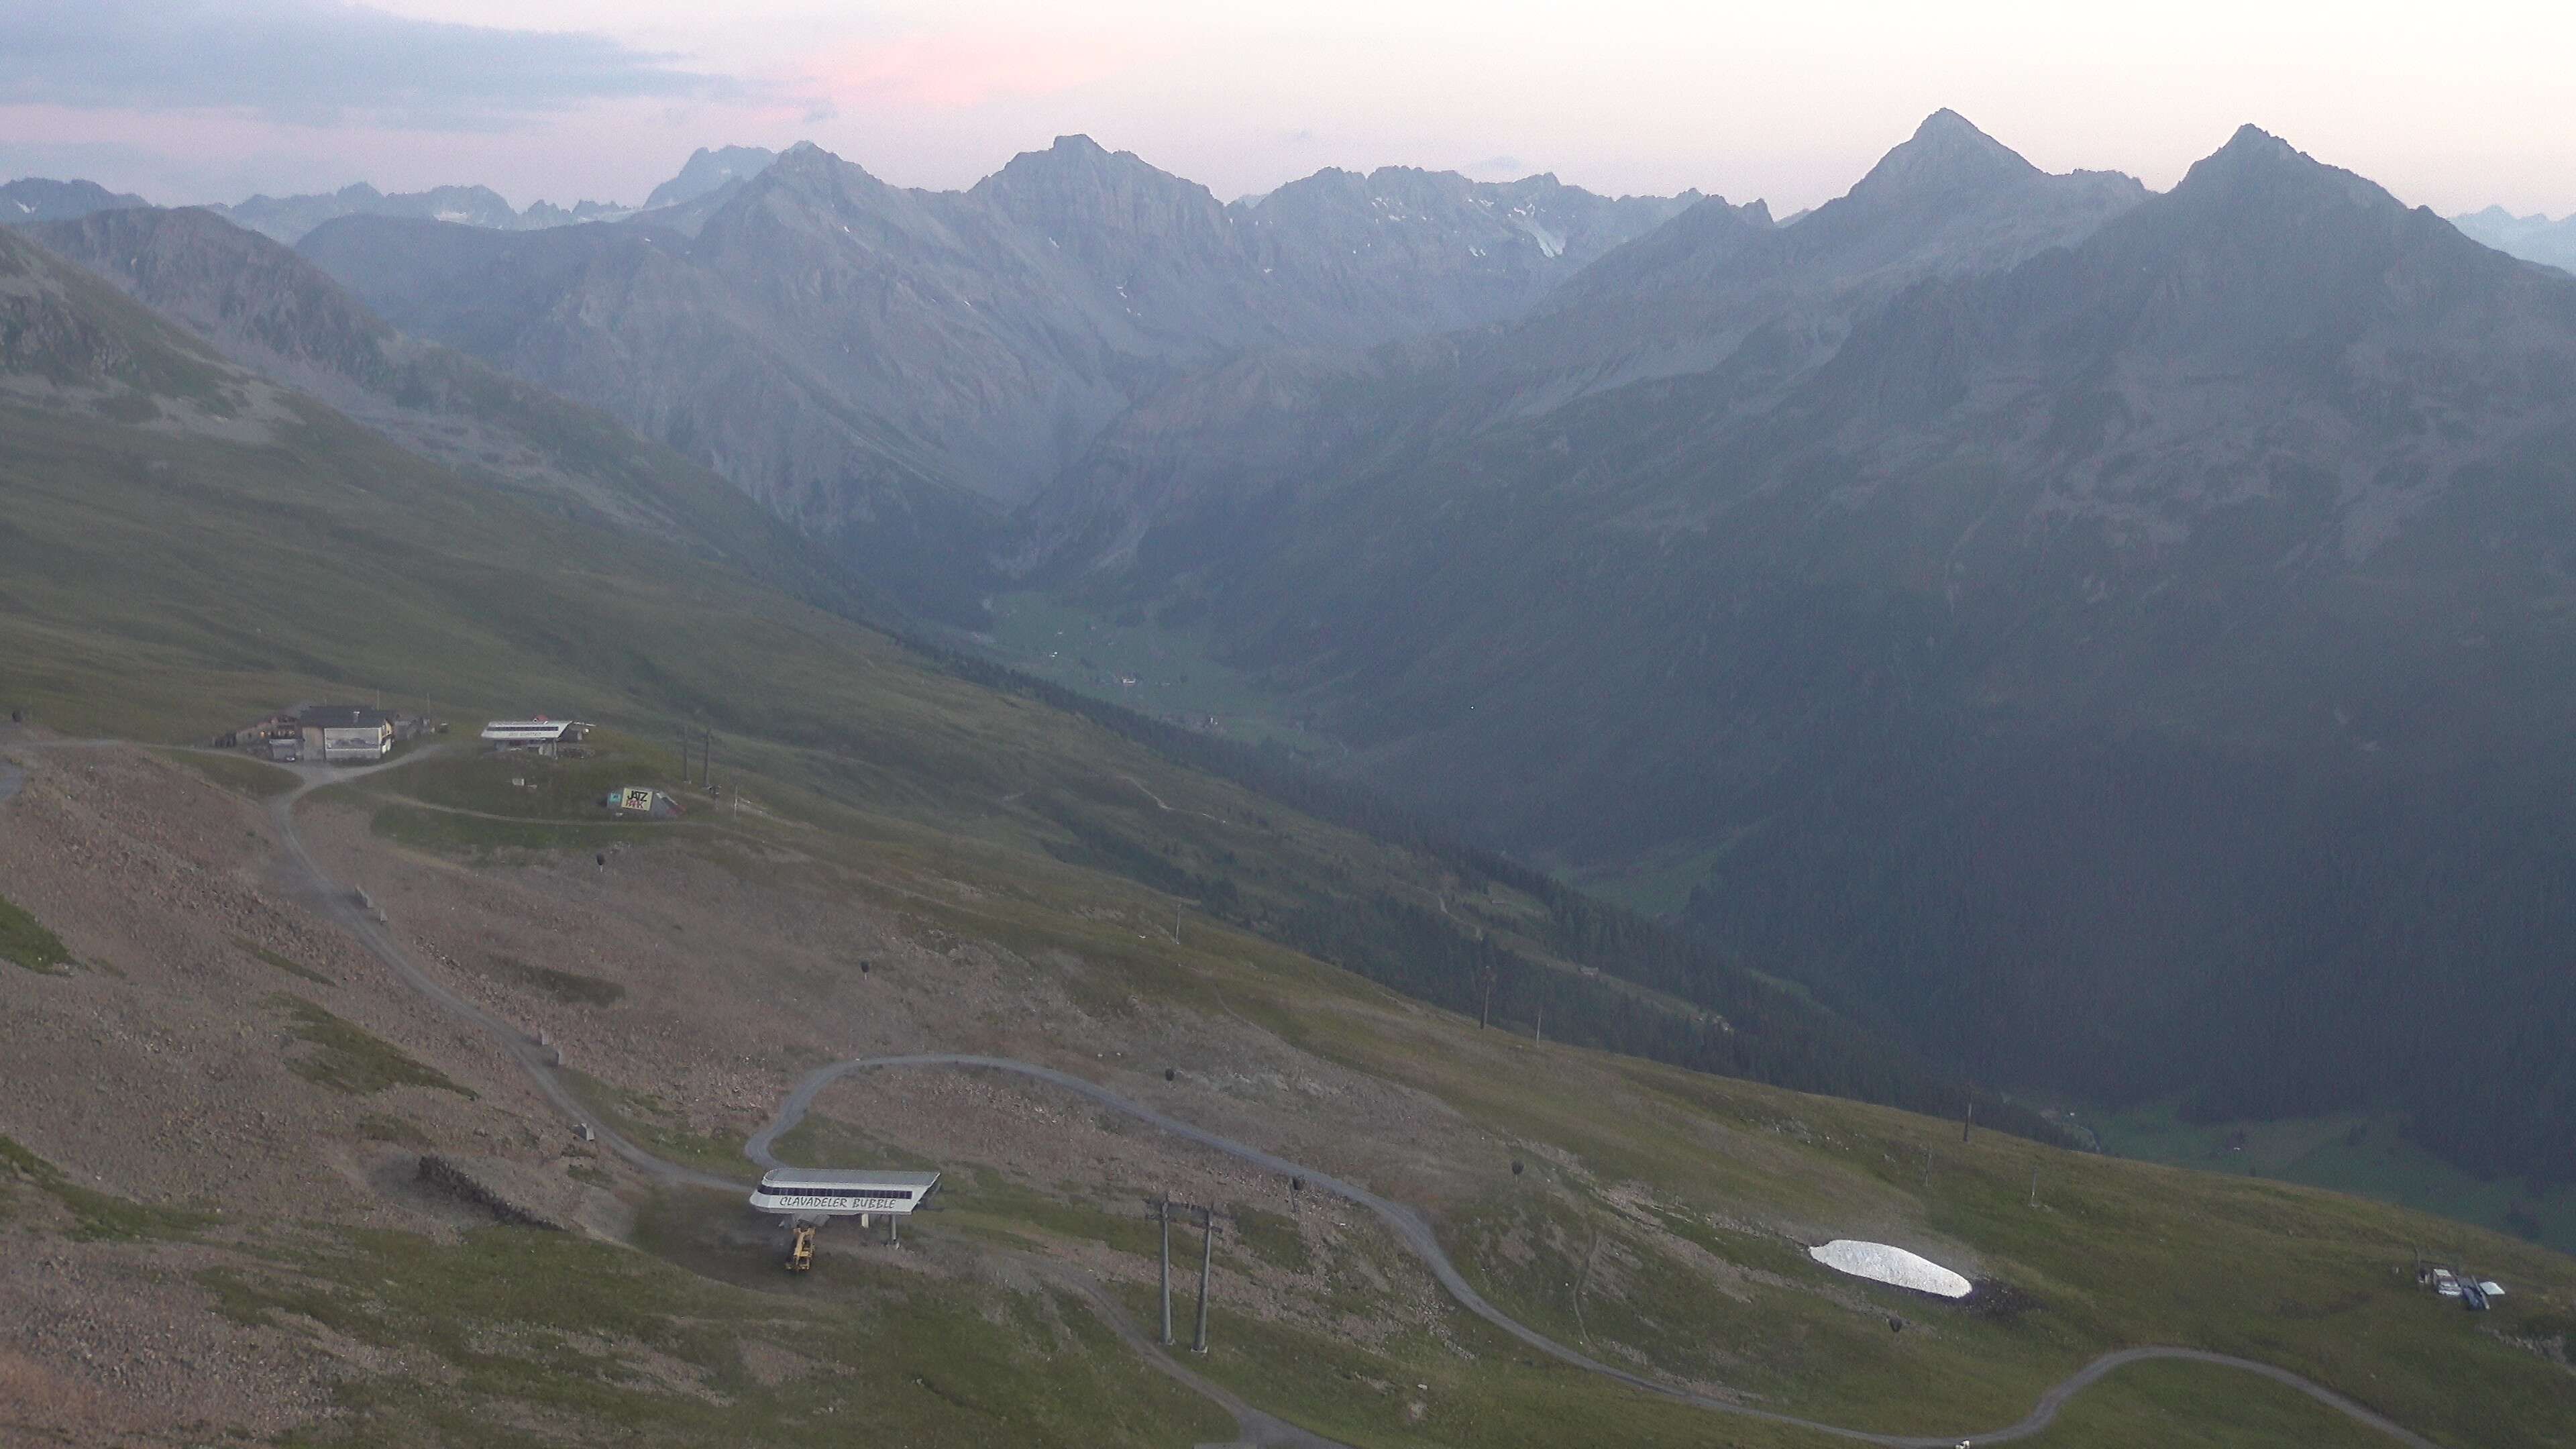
point(848, 350)
point(271, 311)
point(707, 170)
point(34, 199)
point(288, 218)
point(1717, 282)
point(2119, 639)
point(2532, 238)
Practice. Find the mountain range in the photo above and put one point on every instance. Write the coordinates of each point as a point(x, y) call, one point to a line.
point(33, 198)
point(321, 1143)
point(2108, 638)
point(2060, 621)
point(2533, 238)
point(891, 369)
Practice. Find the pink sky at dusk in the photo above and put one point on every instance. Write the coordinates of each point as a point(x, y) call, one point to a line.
point(567, 99)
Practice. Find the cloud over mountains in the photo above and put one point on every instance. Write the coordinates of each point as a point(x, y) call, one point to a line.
point(312, 62)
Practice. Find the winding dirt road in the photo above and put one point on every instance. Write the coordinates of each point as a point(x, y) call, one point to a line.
point(1416, 1234)
point(340, 903)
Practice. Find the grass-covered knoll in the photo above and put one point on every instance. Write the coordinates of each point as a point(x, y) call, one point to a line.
point(825, 1141)
point(478, 837)
point(285, 963)
point(520, 1337)
point(645, 1119)
point(2365, 1153)
point(24, 941)
point(468, 776)
point(348, 1058)
point(95, 1216)
point(568, 987)
point(238, 773)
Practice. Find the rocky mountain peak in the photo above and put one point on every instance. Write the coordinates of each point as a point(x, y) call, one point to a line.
point(1079, 162)
point(2257, 168)
point(1945, 153)
point(706, 170)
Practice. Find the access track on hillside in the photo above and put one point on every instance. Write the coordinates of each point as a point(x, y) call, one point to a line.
point(1410, 1227)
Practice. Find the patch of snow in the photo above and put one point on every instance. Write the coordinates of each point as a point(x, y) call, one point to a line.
point(1550, 244)
point(463, 216)
point(22, 206)
point(1881, 1263)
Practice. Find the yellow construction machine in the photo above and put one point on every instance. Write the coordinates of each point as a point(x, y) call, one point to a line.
point(800, 1254)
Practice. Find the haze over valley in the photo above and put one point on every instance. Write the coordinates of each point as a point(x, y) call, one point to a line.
point(1936, 815)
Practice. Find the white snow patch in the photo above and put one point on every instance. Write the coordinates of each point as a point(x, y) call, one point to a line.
point(1883, 1264)
point(1550, 244)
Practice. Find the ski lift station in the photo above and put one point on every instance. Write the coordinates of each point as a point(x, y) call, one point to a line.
point(808, 1197)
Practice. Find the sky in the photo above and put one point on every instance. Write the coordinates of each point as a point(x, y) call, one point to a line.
point(2454, 107)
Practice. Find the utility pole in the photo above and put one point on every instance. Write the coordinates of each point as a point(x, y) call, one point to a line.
point(1538, 1029)
point(707, 758)
point(1162, 1209)
point(1207, 1268)
point(1968, 1122)
point(2034, 1187)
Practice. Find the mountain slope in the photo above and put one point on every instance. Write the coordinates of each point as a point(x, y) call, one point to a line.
point(2079, 666)
point(853, 353)
point(464, 592)
point(226, 1073)
point(272, 311)
point(33, 199)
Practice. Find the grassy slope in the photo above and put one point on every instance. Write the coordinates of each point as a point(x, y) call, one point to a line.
point(1681, 1180)
point(323, 563)
point(2354, 1152)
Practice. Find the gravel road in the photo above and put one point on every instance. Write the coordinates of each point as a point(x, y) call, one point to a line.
point(1416, 1234)
point(340, 903)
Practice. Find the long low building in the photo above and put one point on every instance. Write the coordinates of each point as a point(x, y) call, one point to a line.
point(809, 1193)
point(543, 735)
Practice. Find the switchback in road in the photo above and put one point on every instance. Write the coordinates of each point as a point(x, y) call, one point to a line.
point(340, 904)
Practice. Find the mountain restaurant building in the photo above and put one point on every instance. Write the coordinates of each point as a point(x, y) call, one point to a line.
point(541, 735)
point(345, 734)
